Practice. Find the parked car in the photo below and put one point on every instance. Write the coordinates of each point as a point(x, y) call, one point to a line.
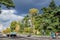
point(12, 34)
point(58, 33)
point(8, 35)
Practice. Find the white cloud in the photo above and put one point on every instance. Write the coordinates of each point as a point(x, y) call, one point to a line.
point(7, 16)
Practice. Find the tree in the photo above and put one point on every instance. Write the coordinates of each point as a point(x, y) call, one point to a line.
point(7, 30)
point(52, 5)
point(17, 28)
point(22, 26)
point(27, 29)
point(33, 11)
point(13, 25)
point(48, 21)
point(57, 14)
point(25, 21)
point(7, 3)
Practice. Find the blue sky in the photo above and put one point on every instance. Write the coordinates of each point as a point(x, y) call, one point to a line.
point(21, 9)
point(22, 6)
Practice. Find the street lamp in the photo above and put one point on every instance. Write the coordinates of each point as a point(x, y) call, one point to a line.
point(0, 8)
point(30, 27)
point(30, 23)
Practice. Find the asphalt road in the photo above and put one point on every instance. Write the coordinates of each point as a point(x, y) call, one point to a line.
point(27, 38)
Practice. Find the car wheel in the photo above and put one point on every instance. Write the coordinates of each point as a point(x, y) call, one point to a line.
point(8, 35)
point(12, 35)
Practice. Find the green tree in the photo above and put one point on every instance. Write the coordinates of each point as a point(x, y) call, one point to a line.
point(32, 13)
point(7, 30)
point(7, 3)
point(25, 21)
point(52, 5)
point(48, 21)
point(13, 25)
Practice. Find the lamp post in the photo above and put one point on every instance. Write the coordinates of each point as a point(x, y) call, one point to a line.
point(0, 8)
point(30, 27)
point(30, 23)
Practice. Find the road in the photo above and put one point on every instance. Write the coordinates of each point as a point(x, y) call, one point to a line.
point(27, 38)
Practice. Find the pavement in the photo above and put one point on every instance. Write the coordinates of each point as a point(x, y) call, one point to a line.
point(27, 38)
point(24, 37)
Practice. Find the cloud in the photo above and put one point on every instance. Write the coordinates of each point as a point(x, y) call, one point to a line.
point(22, 6)
point(7, 16)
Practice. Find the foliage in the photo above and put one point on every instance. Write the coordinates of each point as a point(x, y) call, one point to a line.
point(7, 3)
point(48, 21)
point(13, 25)
point(33, 11)
point(7, 30)
point(17, 28)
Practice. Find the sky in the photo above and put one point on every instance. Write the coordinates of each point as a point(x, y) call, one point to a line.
point(21, 9)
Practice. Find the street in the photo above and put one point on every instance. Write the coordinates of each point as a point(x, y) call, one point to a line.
point(24, 37)
point(28, 38)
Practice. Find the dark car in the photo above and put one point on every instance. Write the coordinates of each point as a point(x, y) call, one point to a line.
point(12, 34)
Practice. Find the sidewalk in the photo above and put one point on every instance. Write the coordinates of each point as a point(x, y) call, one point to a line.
point(35, 36)
point(31, 35)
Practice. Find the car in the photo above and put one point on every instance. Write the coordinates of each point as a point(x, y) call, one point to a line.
point(58, 33)
point(7, 34)
point(12, 34)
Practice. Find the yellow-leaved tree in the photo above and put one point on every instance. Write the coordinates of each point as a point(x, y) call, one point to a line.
point(7, 30)
point(32, 13)
point(17, 28)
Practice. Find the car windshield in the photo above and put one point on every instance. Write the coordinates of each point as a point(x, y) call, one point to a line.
point(13, 32)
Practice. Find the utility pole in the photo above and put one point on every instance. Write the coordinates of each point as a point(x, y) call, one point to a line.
point(0, 7)
point(31, 27)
